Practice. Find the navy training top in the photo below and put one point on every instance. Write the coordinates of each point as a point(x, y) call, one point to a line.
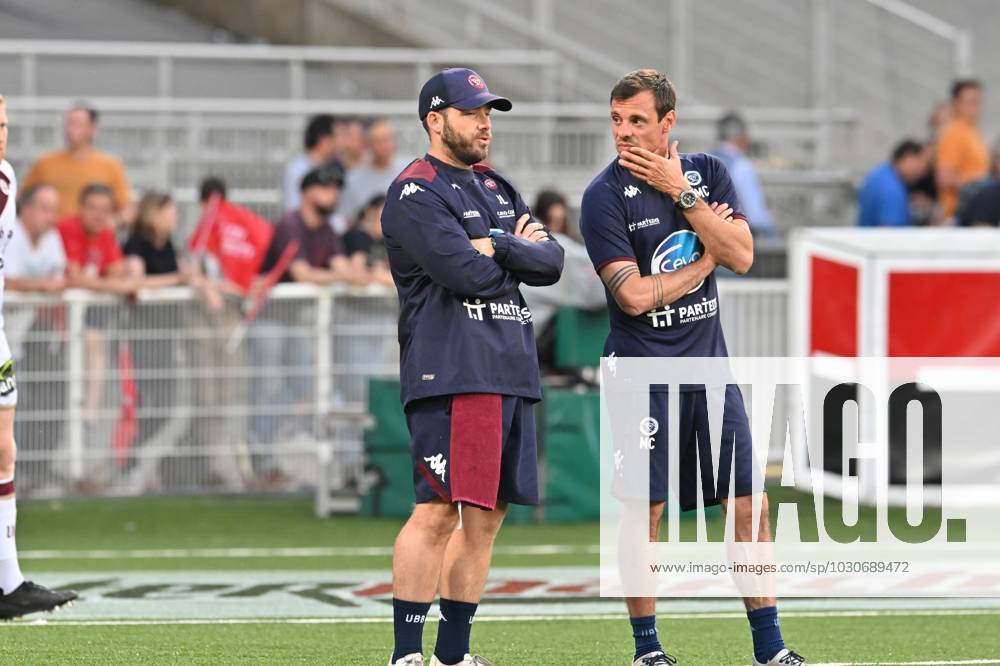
point(624, 219)
point(463, 325)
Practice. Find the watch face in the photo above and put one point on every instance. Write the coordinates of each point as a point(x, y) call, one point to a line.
point(688, 199)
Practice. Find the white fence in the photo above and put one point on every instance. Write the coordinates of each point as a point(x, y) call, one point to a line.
point(210, 420)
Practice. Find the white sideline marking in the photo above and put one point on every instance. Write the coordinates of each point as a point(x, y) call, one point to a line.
point(335, 551)
point(532, 618)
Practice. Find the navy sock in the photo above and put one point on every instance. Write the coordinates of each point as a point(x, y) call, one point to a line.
point(408, 626)
point(766, 633)
point(453, 630)
point(644, 633)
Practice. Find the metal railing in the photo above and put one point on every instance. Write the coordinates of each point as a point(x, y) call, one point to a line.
point(127, 398)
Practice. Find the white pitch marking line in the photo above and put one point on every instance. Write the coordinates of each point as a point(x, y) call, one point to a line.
point(525, 618)
point(335, 551)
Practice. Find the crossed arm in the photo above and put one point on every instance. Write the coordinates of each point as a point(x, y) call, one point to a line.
point(728, 240)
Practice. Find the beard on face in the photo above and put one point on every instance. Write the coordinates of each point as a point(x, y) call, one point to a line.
point(465, 150)
point(323, 211)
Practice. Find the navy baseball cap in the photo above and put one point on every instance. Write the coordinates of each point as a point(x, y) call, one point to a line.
point(458, 87)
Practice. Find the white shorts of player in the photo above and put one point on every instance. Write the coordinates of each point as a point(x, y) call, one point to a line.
point(8, 385)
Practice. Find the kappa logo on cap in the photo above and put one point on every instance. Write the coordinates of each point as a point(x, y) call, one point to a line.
point(436, 102)
point(476, 82)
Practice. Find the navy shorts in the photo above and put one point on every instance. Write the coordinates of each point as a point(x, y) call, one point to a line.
point(451, 462)
point(694, 441)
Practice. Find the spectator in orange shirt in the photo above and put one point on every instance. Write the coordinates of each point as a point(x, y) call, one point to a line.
point(80, 164)
point(962, 155)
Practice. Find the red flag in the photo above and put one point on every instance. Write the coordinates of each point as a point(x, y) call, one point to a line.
point(127, 426)
point(237, 237)
point(271, 279)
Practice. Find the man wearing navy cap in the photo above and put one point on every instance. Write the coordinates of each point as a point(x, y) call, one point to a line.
point(460, 240)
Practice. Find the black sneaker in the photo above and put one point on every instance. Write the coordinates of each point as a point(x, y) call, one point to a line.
point(32, 598)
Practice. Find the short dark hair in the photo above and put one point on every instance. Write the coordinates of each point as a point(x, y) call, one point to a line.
point(730, 126)
point(960, 85)
point(91, 111)
point(212, 185)
point(97, 189)
point(647, 79)
point(28, 194)
point(325, 176)
point(546, 200)
point(319, 126)
point(906, 147)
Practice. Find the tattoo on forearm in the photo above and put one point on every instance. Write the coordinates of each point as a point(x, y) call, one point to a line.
point(616, 281)
point(658, 290)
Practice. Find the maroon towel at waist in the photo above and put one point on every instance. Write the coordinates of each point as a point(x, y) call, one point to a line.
point(476, 433)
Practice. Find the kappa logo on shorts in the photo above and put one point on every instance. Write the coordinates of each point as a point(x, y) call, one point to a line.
point(410, 188)
point(438, 463)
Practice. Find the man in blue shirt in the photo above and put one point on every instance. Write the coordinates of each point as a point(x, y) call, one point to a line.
point(732, 150)
point(655, 241)
point(460, 240)
point(883, 200)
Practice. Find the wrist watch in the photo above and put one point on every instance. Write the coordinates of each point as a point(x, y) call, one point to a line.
point(687, 199)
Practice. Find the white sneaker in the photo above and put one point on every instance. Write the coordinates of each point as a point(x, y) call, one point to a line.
point(415, 659)
point(468, 660)
point(656, 658)
point(785, 657)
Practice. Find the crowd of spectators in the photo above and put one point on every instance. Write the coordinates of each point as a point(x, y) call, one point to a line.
point(80, 227)
point(949, 179)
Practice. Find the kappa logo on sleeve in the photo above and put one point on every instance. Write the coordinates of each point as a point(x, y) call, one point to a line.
point(631, 191)
point(410, 188)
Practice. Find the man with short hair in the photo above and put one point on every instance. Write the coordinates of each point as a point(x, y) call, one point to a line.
point(81, 164)
point(321, 149)
point(883, 200)
point(320, 258)
point(962, 155)
point(94, 260)
point(35, 258)
point(17, 596)
point(732, 146)
point(350, 137)
point(460, 242)
point(655, 241)
point(371, 179)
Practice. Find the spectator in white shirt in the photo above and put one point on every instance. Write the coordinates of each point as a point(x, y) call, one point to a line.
point(35, 258)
